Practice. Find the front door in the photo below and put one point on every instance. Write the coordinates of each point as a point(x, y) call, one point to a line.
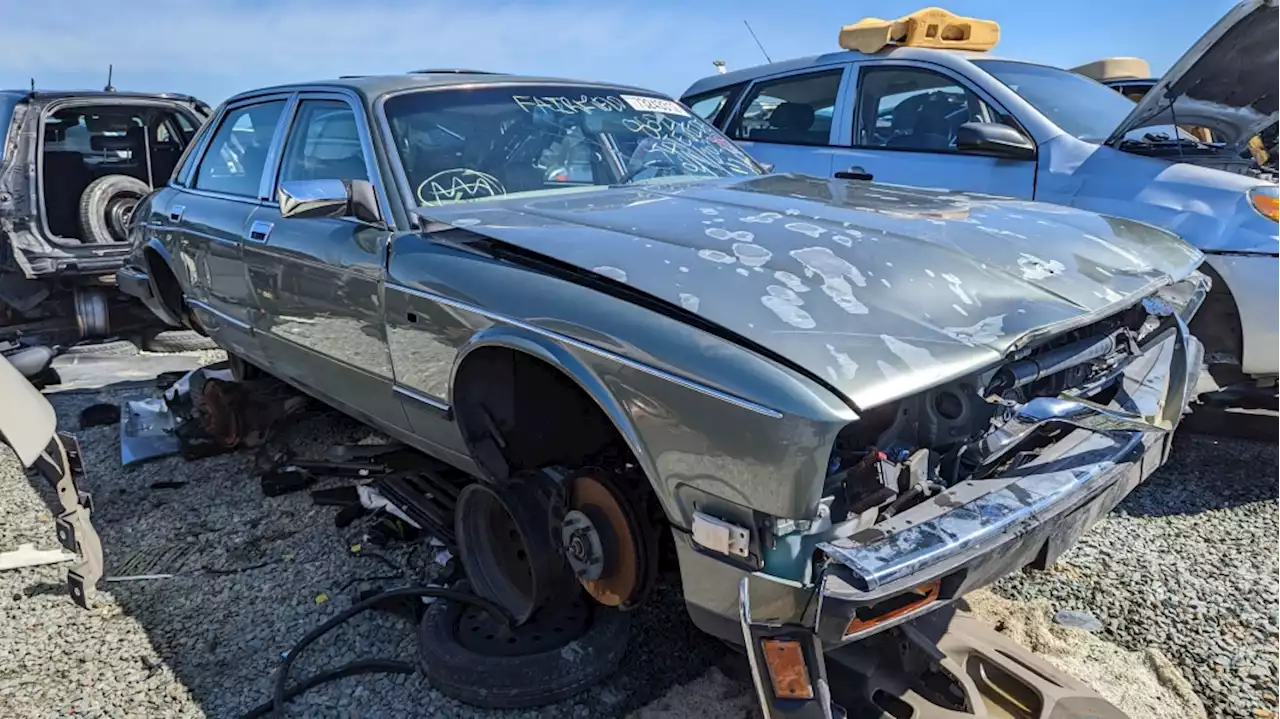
point(211, 220)
point(904, 132)
point(788, 121)
point(318, 281)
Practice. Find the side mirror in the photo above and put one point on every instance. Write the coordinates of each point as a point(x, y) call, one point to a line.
point(989, 138)
point(329, 198)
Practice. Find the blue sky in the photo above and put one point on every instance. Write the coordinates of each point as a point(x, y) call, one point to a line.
point(214, 49)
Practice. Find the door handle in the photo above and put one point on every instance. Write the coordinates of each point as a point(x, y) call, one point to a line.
point(175, 213)
point(259, 230)
point(853, 173)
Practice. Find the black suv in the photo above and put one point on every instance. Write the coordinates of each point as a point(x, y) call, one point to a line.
point(72, 167)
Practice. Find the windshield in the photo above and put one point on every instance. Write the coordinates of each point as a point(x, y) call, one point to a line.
point(1082, 107)
point(477, 144)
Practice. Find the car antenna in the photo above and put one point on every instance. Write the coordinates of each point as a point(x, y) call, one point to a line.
point(758, 43)
point(109, 88)
point(33, 84)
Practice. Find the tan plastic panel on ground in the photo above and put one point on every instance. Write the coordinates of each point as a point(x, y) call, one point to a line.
point(999, 680)
point(930, 27)
point(1114, 68)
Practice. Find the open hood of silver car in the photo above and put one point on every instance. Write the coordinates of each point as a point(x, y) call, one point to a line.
point(881, 291)
point(1225, 82)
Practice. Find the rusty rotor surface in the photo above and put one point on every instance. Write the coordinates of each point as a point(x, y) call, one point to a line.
point(620, 538)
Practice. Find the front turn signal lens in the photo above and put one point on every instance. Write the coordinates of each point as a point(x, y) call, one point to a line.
point(1266, 200)
point(787, 670)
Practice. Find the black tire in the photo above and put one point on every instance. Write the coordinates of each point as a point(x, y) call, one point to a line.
point(177, 341)
point(110, 348)
point(516, 682)
point(107, 206)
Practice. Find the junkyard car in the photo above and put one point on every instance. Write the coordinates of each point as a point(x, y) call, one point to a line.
point(971, 121)
point(72, 167)
point(875, 397)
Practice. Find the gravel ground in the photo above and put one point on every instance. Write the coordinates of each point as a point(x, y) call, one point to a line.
point(1187, 566)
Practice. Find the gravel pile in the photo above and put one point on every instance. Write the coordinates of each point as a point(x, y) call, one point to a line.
point(1186, 564)
point(1189, 568)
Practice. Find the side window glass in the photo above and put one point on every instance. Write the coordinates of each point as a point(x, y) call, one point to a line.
point(913, 109)
point(707, 106)
point(794, 110)
point(238, 151)
point(324, 144)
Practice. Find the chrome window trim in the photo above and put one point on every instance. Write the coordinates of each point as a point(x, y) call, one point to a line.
point(600, 352)
point(220, 315)
point(421, 397)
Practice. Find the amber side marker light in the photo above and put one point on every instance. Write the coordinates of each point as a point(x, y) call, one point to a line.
point(873, 614)
point(787, 671)
point(1266, 200)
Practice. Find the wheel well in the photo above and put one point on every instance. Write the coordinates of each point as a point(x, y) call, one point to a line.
point(1217, 324)
point(518, 412)
point(168, 290)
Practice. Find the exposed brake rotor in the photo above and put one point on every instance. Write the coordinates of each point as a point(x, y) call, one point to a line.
point(608, 540)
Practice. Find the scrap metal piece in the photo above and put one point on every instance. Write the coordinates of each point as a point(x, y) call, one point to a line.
point(147, 431)
point(60, 465)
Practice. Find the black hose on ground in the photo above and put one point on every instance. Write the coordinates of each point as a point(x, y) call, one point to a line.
point(281, 695)
point(362, 666)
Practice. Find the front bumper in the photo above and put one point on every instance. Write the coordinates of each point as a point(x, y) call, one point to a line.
point(977, 531)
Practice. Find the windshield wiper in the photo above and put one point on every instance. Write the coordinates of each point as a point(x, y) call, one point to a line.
point(647, 165)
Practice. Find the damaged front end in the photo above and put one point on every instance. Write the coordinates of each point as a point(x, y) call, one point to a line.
point(948, 490)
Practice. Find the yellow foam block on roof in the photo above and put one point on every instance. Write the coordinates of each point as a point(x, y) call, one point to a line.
point(1114, 68)
point(930, 27)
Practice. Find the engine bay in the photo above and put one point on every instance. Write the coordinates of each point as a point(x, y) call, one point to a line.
point(902, 453)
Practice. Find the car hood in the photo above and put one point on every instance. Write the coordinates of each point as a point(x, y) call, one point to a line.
point(878, 290)
point(1226, 81)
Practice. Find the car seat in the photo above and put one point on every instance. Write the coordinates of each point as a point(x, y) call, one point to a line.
point(790, 122)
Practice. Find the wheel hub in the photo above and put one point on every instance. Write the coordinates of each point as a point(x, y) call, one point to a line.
point(582, 545)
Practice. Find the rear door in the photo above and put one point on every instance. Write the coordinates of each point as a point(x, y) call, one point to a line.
point(789, 121)
point(903, 131)
point(318, 281)
point(210, 219)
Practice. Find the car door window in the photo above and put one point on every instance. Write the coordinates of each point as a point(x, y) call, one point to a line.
point(707, 106)
point(909, 108)
point(794, 110)
point(324, 144)
point(238, 151)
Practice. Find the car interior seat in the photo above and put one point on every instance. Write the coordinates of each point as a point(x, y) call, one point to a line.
point(790, 122)
point(920, 122)
point(64, 175)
